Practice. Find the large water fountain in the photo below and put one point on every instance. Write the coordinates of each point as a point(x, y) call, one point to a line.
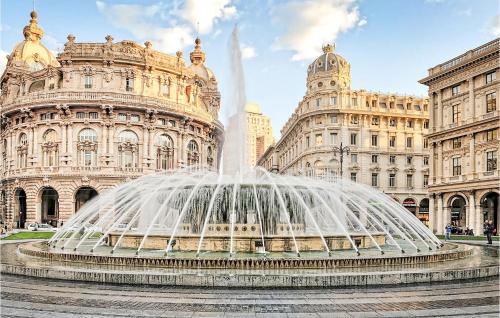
point(241, 210)
point(245, 227)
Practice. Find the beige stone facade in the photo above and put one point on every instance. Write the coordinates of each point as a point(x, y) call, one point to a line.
point(95, 116)
point(259, 133)
point(384, 133)
point(465, 122)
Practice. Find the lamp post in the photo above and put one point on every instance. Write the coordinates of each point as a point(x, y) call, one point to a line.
point(341, 150)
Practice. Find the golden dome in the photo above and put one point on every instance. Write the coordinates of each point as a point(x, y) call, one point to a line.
point(31, 51)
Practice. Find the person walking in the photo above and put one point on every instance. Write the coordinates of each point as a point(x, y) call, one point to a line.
point(447, 232)
point(489, 231)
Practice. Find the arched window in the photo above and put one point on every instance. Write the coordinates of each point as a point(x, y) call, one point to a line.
point(193, 156)
point(309, 170)
point(87, 147)
point(128, 149)
point(164, 152)
point(22, 151)
point(50, 148)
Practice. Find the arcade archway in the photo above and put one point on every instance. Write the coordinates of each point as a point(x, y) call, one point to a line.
point(83, 195)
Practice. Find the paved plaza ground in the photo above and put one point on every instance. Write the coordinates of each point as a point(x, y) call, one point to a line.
point(33, 297)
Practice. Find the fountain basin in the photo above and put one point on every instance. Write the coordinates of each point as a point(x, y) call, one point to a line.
point(246, 244)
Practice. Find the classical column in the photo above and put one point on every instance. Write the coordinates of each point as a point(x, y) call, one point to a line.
point(472, 156)
point(471, 215)
point(9, 150)
point(64, 139)
point(478, 216)
point(440, 110)
point(111, 140)
point(102, 146)
point(70, 143)
point(439, 215)
point(432, 214)
point(431, 112)
point(472, 99)
point(35, 145)
point(439, 162)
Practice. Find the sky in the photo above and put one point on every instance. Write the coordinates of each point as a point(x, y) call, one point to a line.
point(390, 44)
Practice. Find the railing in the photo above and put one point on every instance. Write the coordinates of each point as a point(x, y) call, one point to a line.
point(103, 97)
point(488, 47)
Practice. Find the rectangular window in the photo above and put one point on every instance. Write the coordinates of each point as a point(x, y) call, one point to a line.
point(319, 140)
point(161, 121)
point(455, 90)
point(354, 138)
point(354, 101)
point(374, 140)
point(333, 119)
point(354, 158)
point(353, 176)
point(318, 102)
point(426, 180)
point(392, 122)
point(374, 158)
point(333, 100)
point(457, 166)
point(165, 89)
point(129, 84)
point(354, 120)
point(491, 161)
point(308, 143)
point(392, 160)
point(455, 114)
point(426, 143)
point(87, 158)
point(490, 77)
point(122, 117)
point(409, 181)
point(392, 141)
point(408, 106)
point(426, 124)
point(93, 115)
point(409, 124)
point(409, 160)
point(491, 134)
point(491, 102)
point(47, 116)
point(80, 115)
point(88, 81)
point(409, 142)
point(374, 179)
point(51, 86)
point(456, 142)
point(426, 161)
point(392, 180)
point(383, 105)
point(172, 123)
point(333, 138)
point(375, 121)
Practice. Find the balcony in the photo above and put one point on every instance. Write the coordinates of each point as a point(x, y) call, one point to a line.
point(123, 169)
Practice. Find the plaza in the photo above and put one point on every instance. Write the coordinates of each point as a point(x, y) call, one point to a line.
point(125, 193)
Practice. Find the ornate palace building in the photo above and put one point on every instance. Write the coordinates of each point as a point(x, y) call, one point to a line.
point(97, 115)
point(259, 133)
point(384, 134)
point(464, 139)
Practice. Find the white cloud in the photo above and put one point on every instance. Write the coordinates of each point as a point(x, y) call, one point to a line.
point(362, 22)
point(494, 25)
point(247, 52)
point(169, 26)
point(3, 61)
point(312, 23)
point(204, 14)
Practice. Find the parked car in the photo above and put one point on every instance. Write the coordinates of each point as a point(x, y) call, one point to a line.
point(41, 227)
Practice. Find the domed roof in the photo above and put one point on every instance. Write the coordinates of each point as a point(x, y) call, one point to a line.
point(197, 58)
point(252, 108)
point(31, 51)
point(328, 62)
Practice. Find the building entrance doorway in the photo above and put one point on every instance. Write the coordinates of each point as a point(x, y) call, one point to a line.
point(20, 208)
point(83, 195)
point(50, 206)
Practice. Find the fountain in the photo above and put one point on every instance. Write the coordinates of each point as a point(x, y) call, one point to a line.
point(245, 226)
point(241, 210)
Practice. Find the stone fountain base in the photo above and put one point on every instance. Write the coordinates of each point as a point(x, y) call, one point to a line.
point(452, 262)
point(247, 243)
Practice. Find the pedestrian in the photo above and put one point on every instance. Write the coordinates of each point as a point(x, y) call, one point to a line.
point(489, 231)
point(447, 232)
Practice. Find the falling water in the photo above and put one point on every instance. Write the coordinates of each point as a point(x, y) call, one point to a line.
point(241, 209)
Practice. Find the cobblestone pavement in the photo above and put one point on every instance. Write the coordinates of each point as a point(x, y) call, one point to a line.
point(34, 297)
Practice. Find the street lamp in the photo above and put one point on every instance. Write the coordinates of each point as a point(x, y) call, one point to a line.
point(341, 150)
